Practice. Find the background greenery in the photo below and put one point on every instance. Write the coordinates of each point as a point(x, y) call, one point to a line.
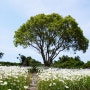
point(62, 62)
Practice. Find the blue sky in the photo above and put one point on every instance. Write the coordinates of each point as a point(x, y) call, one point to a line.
point(13, 13)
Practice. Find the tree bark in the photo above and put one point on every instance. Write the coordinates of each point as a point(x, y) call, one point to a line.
point(47, 63)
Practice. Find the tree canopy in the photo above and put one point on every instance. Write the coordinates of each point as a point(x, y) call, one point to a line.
point(50, 34)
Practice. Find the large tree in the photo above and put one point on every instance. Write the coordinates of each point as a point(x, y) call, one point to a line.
point(51, 34)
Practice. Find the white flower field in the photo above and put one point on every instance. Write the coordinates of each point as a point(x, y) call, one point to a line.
point(64, 79)
point(18, 78)
point(13, 78)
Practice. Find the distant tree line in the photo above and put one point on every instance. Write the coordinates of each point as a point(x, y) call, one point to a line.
point(63, 62)
point(2, 63)
point(70, 62)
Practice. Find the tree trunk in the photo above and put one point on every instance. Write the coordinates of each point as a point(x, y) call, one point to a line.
point(47, 63)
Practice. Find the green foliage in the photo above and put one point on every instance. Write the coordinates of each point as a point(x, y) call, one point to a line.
point(50, 34)
point(33, 69)
point(87, 65)
point(9, 63)
point(69, 62)
point(23, 60)
point(28, 61)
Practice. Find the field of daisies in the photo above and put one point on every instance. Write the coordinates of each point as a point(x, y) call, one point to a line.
point(18, 78)
point(14, 78)
point(64, 79)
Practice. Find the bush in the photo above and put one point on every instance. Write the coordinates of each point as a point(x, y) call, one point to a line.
point(87, 65)
point(33, 69)
point(28, 61)
point(68, 62)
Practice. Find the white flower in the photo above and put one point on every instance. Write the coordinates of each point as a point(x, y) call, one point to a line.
point(66, 86)
point(54, 83)
point(26, 87)
point(5, 83)
point(1, 81)
point(50, 84)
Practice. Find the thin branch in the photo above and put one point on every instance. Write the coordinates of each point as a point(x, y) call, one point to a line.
point(35, 47)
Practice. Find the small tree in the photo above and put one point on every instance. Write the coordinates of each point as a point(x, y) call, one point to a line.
point(28, 61)
point(51, 34)
point(23, 60)
point(1, 54)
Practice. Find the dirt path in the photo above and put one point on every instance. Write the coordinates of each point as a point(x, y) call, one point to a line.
point(33, 84)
